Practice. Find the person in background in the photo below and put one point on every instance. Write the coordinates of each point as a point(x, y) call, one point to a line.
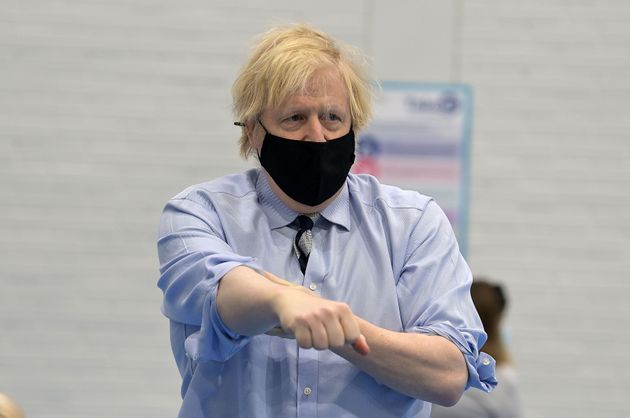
point(299, 289)
point(505, 401)
point(9, 409)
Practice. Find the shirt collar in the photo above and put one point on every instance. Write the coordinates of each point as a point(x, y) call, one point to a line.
point(279, 214)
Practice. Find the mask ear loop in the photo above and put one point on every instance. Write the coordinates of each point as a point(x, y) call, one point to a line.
point(263, 126)
point(266, 132)
point(242, 125)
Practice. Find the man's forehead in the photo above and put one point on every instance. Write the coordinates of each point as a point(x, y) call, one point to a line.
point(324, 97)
point(323, 82)
point(303, 102)
point(324, 90)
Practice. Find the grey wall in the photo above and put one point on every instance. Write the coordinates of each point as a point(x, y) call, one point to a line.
point(108, 108)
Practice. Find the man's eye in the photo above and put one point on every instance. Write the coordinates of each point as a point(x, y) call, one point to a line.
point(332, 117)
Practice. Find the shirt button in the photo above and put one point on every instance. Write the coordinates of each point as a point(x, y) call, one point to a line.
point(308, 391)
point(485, 362)
point(312, 286)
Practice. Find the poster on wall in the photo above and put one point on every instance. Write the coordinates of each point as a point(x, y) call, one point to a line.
point(419, 140)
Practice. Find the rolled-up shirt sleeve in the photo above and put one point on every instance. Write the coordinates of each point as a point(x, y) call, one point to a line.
point(194, 256)
point(434, 294)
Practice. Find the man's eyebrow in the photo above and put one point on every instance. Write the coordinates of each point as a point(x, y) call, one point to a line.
point(306, 109)
point(293, 109)
point(335, 109)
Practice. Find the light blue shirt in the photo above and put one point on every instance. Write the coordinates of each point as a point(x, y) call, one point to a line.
point(390, 254)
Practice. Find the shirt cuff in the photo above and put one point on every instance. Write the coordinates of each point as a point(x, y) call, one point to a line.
point(481, 366)
point(214, 341)
point(481, 372)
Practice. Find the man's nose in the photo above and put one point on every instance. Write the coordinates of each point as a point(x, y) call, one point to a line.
point(314, 131)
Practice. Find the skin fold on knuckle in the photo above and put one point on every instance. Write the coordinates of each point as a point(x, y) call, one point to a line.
point(326, 313)
point(343, 309)
point(320, 345)
point(303, 338)
point(339, 341)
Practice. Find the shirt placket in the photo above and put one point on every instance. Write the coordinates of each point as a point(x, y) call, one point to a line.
point(307, 387)
point(308, 359)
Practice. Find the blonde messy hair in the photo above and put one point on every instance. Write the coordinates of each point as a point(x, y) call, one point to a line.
point(283, 62)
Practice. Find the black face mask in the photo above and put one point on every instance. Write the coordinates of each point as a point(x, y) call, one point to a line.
point(308, 172)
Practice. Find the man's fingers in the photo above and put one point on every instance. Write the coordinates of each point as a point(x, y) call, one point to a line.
point(350, 328)
point(332, 326)
point(361, 346)
point(303, 337)
point(334, 330)
point(319, 335)
point(354, 336)
point(279, 332)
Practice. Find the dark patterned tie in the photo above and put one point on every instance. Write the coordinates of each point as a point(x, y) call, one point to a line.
point(303, 240)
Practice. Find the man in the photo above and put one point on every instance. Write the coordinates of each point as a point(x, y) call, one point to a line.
point(360, 307)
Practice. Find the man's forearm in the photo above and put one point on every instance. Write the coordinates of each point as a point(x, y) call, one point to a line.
point(251, 304)
point(426, 367)
point(245, 301)
point(422, 366)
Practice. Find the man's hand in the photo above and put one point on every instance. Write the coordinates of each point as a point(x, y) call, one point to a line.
point(313, 321)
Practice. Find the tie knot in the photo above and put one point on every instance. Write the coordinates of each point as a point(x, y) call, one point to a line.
point(304, 222)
